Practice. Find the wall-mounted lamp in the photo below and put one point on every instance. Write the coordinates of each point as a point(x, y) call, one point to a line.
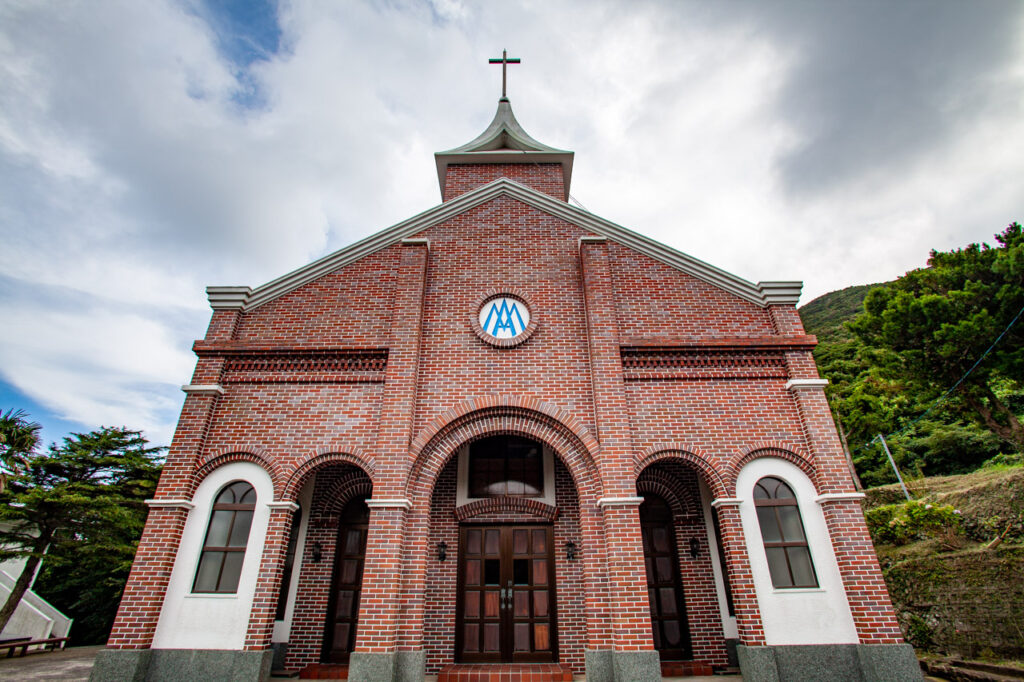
point(442, 550)
point(694, 548)
point(570, 551)
point(318, 552)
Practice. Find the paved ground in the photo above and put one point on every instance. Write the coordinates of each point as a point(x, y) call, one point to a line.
point(70, 664)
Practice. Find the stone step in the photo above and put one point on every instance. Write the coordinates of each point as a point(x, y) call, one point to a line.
point(504, 672)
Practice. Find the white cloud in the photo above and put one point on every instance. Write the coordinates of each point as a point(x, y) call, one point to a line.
point(132, 173)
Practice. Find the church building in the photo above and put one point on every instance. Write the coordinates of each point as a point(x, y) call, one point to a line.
point(506, 435)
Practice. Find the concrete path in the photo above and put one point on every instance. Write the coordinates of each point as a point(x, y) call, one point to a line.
point(70, 664)
point(74, 664)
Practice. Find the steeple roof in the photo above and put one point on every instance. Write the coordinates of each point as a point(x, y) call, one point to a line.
point(504, 141)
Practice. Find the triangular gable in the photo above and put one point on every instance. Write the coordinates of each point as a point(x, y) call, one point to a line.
point(762, 293)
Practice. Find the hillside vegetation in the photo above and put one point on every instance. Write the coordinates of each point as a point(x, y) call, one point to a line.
point(891, 351)
point(953, 560)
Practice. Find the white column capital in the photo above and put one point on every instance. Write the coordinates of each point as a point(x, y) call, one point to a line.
point(800, 384)
point(170, 504)
point(395, 503)
point(620, 502)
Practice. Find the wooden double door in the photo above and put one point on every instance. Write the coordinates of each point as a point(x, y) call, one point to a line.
point(506, 599)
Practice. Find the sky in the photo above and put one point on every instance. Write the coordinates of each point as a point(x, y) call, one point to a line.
point(149, 148)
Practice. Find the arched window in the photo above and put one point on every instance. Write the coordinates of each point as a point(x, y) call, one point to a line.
point(502, 466)
point(226, 538)
point(782, 531)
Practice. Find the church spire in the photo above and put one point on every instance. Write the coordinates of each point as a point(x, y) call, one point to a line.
point(504, 142)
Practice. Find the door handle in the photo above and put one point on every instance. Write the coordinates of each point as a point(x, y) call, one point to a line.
point(508, 595)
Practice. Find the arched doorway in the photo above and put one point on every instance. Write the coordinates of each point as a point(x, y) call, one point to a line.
point(328, 571)
point(505, 608)
point(690, 611)
point(346, 582)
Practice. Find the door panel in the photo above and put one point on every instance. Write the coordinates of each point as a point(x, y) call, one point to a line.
point(664, 584)
point(506, 595)
point(346, 587)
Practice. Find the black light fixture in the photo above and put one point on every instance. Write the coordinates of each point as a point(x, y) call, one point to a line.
point(570, 551)
point(318, 552)
point(442, 550)
point(694, 547)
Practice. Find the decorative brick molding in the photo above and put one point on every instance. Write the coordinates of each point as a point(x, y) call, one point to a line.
point(510, 292)
point(310, 366)
point(695, 457)
point(701, 363)
point(324, 456)
point(255, 455)
point(506, 505)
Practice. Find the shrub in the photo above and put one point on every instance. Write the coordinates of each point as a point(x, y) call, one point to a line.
point(899, 524)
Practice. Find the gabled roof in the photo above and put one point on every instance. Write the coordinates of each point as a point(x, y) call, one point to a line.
point(504, 141)
point(762, 293)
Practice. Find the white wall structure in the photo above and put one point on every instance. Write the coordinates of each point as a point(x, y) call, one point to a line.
point(729, 627)
point(819, 615)
point(282, 628)
point(213, 621)
point(35, 617)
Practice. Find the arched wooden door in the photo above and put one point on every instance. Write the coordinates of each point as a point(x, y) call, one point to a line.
point(664, 583)
point(346, 583)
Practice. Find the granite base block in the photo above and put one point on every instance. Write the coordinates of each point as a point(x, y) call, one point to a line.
point(410, 666)
point(186, 665)
point(829, 663)
point(636, 666)
point(598, 664)
point(120, 665)
point(363, 667)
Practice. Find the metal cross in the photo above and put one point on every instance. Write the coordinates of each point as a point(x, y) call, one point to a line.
point(504, 61)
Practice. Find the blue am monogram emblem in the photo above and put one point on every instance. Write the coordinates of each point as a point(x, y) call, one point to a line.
point(504, 317)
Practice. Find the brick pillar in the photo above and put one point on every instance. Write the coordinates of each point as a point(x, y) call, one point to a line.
point(741, 578)
point(376, 653)
point(866, 592)
point(144, 593)
point(151, 570)
point(268, 583)
point(872, 610)
point(633, 656)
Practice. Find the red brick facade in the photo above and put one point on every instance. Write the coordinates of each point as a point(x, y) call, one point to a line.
point(641, 377)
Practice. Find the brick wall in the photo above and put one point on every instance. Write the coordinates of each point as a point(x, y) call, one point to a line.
point(707, 387)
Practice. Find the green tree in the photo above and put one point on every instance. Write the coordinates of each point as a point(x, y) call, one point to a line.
point(19, 438)
point(84, 499)
point(933, 324)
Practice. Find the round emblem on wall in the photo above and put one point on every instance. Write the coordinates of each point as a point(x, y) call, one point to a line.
point(504, 319)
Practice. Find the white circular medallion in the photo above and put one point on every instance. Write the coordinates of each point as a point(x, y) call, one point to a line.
point(504, 317)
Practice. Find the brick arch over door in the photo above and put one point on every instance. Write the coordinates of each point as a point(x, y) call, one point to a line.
point(703, 462)
point(667, 487)
point(322, 457)
point(575, 452)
